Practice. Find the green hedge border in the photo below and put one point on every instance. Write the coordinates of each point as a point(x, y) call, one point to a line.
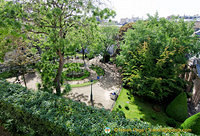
point(43, 114)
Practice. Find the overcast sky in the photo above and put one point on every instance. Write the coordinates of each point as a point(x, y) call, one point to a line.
point(139, 8)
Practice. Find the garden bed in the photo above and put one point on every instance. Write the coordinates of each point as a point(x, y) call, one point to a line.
point(76, 76)
point(100, 71)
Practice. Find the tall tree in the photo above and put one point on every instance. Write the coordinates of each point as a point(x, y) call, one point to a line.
point(87, 37)
point(153, 56)
point(108, 38)
point(22, 59)
point(52, 21)
point(10, 28)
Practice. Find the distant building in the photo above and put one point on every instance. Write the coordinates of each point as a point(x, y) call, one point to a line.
point(128, 20)
point(187, 18)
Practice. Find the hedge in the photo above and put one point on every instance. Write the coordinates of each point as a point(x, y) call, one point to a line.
point(37, 113)
point(178, 109)
point(193, 123)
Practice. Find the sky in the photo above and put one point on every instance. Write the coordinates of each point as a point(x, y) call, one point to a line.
point(140, 8)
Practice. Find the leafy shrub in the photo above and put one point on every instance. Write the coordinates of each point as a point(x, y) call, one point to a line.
point(100, 71)
point(73, 65)
point(171, 122)
point(67, 88)
point(153, 116)
point(76, 76)
point(193, 123)
point(124, 29)
point(8, 74)
point(43, 114)
point(177, 109)
point(38, 86)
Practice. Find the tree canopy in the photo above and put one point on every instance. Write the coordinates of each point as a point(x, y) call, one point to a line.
point(50, 25)
point(153, 56)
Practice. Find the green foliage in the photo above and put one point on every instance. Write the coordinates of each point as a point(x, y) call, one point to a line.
point(124, 29)
point(38, 86)
point(67, 88)
point(8, 74)
point(9, 27)
point(193, 123)
point(67, 65)
point(40, 113)
point(100, 71)
point(107, 39)
point(51, 26)
point(177, 109)
point(47, 67)
point(153, 56)
point(74, 72)
point(171, 122)
point(76, 76)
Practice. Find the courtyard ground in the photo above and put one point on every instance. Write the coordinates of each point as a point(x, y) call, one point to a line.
point(109, 83)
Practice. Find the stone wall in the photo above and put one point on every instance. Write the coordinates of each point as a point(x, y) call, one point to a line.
point(194, 85)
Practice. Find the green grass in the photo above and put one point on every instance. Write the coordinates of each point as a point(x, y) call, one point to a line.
point(100, 71)
point(140, 109)
point(84, 84)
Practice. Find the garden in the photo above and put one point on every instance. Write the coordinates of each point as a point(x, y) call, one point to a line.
point(68, 49)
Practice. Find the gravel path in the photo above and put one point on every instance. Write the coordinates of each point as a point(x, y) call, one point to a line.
point(110, 82)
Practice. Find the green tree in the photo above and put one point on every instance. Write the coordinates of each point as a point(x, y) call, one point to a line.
point(153, 56)
point(10, 28)
point(52, 23)
point(87, 37)
point(22, 59)
point(13, 41)
point(107, 39)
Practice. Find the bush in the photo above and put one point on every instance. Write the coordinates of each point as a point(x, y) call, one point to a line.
point(153, 116)
point(76, 76)
point(8, 74)
point(177, 109)
point(171, 122)
point(67, 89)
point(38, 86)
point(43, 114)
point(192, 123)
point(100, 71)
point(73, 64)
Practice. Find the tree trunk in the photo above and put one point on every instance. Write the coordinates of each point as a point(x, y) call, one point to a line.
point(23, 74)
point(59, 73)
point(83, 52)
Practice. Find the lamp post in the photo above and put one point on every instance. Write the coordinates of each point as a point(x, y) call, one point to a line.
point(91, 96)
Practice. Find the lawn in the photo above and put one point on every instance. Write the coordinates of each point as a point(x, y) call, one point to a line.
point(134, 107)
point(84, 84)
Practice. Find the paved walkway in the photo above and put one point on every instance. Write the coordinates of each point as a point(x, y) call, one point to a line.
point(109, 83)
